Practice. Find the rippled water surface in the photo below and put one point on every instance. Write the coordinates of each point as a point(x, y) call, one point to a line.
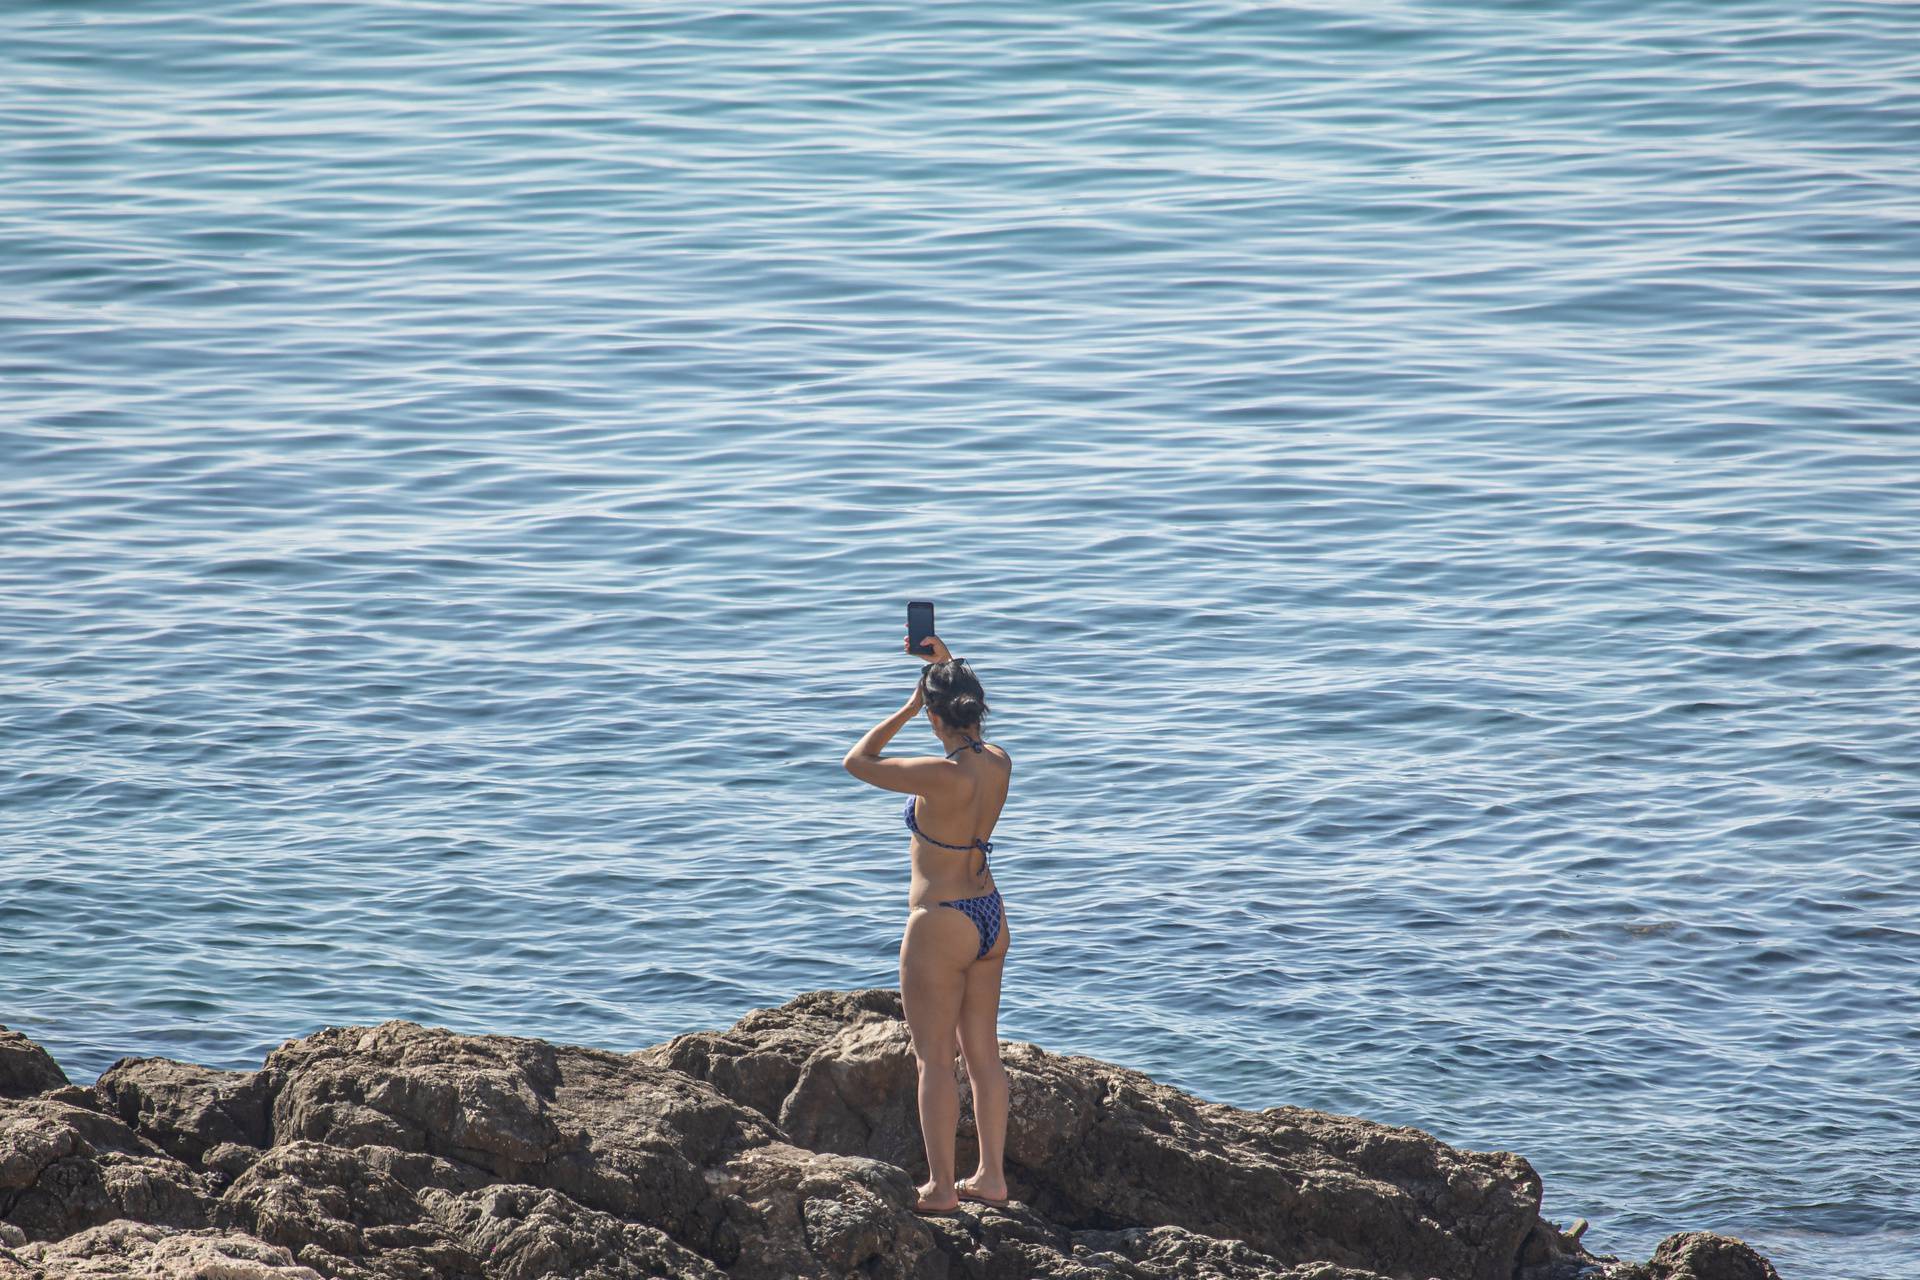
point(1433, 493)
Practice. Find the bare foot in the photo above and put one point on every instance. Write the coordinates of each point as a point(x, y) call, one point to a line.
point(979, 1186)
point(932, 1201)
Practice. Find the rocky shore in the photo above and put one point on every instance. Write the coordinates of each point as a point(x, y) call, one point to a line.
point(784, 1146)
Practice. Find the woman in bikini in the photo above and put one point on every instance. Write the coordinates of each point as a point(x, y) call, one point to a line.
point(956, 936)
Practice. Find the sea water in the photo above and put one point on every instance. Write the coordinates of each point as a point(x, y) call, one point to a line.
point(1432, 493)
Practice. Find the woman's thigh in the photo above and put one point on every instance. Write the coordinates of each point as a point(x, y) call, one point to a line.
point(939, 944)
point(980, 1005)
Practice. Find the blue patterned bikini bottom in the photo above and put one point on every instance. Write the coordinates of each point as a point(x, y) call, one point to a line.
point(985, 913)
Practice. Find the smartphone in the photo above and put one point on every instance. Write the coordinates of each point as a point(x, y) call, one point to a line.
point(920, 626)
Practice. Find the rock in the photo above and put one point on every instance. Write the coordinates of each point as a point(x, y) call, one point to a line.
point(525, 1233)
point(1149, 1253)
point(856, 1094)
point(184, 1109)
point(123, 1248)
point(1100, 1146)
point(482, 1100)
point(615, 1134)
point(787, 1146)
point(758, 1062)
point(344, 1212)
point(1698, 1255)
point(25, 1068)
point(800, 1212)
point(1551, 1254)
point(65, 1168)
point(226, 1162)
point(75, 1096)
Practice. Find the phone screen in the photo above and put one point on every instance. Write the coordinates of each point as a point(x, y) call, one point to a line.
point(920, 625)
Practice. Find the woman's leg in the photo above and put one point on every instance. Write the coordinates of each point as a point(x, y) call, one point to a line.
point(980, 1044)
point(933, 956)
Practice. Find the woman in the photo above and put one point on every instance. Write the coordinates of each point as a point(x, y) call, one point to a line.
point(956, 937)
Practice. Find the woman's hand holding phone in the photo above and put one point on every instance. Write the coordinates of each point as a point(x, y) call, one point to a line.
point(939, 653)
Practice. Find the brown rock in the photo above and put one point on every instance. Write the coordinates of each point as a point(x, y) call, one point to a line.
point(185, 1109)
point(226, 1162)
point(478, 1099)
point(785, 1146)
point(344, 1212)
point(758, 1062)
point(857, 1094)
point(1100, 1146)
point(122, 1248)
point(526, 1233)
point(1154, 1253)
point(1698, 1255)
point(612, 1133)
point(64, 1168)
point(25, 1068)
point(800, 1212)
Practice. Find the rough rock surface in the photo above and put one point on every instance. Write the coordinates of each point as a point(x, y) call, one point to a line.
point(1700, 1255)
point(25, 1068)
point(785, 1146)
point(348, 1211)
point(124, 1248)
point(524, 1233)
point(64, 1168)
point(185, 1109)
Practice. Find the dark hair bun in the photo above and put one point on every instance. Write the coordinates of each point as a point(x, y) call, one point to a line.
point(954, 693)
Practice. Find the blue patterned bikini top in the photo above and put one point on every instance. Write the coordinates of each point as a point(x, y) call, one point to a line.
point(986, 846)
